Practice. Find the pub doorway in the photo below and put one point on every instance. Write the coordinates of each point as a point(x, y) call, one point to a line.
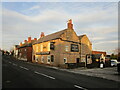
point(77, 62)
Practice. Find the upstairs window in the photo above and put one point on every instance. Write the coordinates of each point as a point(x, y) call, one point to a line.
point(41, 47)
point(52, 46)
point(66, 48)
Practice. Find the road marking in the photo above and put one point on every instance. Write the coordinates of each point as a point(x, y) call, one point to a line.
point(44, 75)
point(14, 64)
point(24, 68)
point(80, 87)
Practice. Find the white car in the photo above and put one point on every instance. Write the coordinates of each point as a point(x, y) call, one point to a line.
point(114, 62)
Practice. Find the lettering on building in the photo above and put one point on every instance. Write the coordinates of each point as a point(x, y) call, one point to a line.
point(74, 48)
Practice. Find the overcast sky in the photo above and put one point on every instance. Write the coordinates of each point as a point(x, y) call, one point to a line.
point(98, 20)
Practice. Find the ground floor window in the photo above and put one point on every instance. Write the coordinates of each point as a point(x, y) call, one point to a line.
point(34, 57)
point(65, 60)
point(48, 59)
point(42, 59)
point(52, 58)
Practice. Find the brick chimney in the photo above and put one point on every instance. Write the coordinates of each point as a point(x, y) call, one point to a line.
point(70, 25)
point(42, 34)
point(20, 43)
point(25, 41)
point(29, 39)
point(35, 39)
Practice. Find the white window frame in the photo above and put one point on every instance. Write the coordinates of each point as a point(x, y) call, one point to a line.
point(36, 48)
point(41, 47)
point(42, 59)
point(64, 60)
point(53, 58)
point(66, 48)
point(36, 58)
point(48, 47)
point(48, 59)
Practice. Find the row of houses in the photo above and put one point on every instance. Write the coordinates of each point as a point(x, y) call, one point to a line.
point(63, 48)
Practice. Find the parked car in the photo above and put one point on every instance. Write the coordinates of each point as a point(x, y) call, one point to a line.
point(114, 62)
point(118, 67)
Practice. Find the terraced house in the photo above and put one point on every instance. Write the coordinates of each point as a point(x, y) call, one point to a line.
point(25, 50)
point(58, 49)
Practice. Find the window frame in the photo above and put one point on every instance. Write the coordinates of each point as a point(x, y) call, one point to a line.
point(65, 61)
point(42, 59)
point(48, 59)
point(52, 58)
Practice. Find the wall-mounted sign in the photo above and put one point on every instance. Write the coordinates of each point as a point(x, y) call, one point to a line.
point(74, 48)
point(42, 53)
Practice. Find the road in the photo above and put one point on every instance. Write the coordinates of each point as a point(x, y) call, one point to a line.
point(21, 74)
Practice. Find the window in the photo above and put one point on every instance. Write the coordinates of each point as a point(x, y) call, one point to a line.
point(48, 59)
point(52, 58)
point(52, 47)
point(66, 48)
point(42, 59)
point(36, 58)
point(41, 47)
point(48, 47)
point(65, 60)
point(36, 48)
point(25, 49)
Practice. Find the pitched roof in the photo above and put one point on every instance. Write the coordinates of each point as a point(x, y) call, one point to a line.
point(50, 36)
point(81, 36)
point(26, 44)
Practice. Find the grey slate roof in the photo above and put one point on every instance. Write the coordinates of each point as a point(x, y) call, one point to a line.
point(50, 37)
point(27, 44)
point(80, 37)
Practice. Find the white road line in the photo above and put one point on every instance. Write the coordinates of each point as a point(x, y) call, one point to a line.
point(14, 64)
point(44, 75)
point(24, 68)
point(80, 87)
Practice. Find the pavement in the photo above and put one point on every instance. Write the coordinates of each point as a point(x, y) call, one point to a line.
point(109, 73)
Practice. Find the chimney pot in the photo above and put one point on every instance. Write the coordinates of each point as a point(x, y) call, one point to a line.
point(35, 38)
point(20, 43)
point(42, 34)
point(70, 25)
point(29, 39)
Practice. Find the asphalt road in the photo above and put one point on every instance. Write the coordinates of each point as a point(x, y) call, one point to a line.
point(20, 74)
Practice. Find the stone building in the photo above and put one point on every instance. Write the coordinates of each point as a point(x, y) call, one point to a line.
point(58, 49)
point(85, 49)
point(61, 48)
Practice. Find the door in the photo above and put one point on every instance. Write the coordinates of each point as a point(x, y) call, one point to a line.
point(77, 60)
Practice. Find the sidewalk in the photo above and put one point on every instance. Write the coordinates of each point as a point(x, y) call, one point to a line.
point(109, 73)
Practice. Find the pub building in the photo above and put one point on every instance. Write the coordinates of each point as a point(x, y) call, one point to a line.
point(58, 49)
